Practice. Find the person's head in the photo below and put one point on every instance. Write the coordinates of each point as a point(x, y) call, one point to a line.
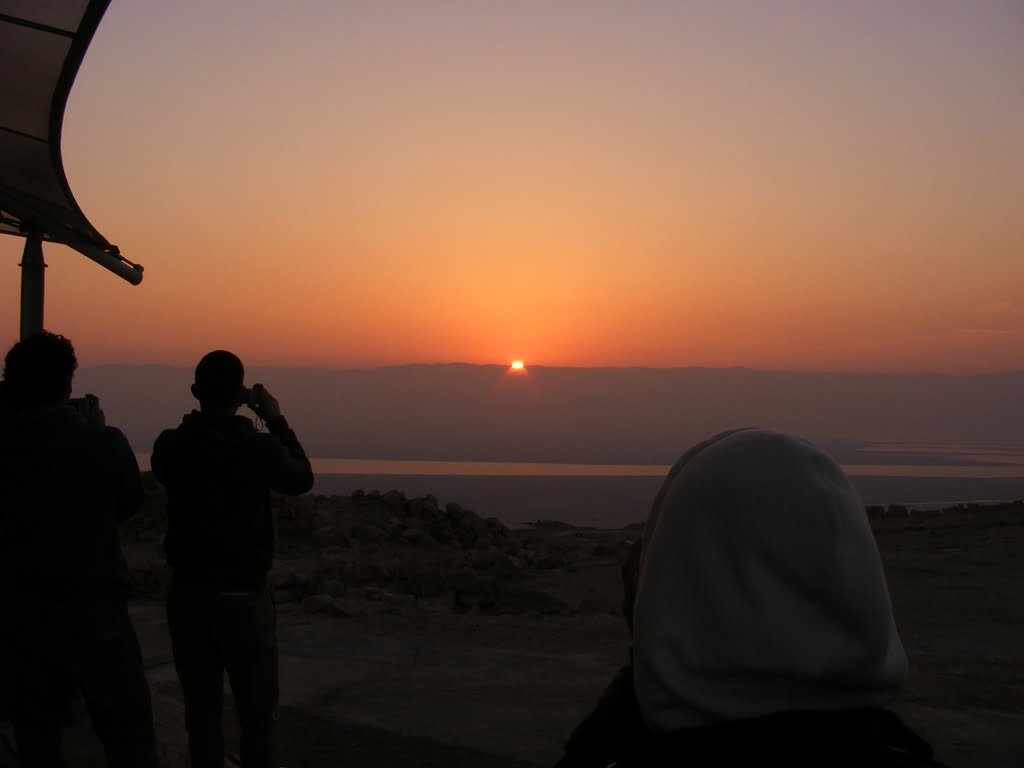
point(39, 369)
point(761, 589)
point(219, 381)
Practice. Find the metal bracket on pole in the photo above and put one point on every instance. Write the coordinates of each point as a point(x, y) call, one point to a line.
point(32, 285)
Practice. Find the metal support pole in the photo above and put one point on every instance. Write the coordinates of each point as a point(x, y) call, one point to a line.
point(32, 283)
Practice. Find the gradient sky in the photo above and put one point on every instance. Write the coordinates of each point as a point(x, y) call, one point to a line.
point(785, 185)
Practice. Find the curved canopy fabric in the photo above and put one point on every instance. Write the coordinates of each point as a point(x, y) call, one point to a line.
point(42, 44)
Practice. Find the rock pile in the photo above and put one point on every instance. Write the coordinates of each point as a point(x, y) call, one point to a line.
point(375, 551)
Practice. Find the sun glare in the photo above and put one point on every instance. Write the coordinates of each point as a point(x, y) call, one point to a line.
point(518, 365)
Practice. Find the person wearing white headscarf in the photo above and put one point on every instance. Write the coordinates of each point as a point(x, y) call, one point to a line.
point(762, 627)
point(763, 602)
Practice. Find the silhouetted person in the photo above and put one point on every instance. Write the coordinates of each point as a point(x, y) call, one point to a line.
point(66, 481)
point(763, 627)
point(219, 472)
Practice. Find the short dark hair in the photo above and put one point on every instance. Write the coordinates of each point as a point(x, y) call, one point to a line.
point(39, 368)
point(219, 378)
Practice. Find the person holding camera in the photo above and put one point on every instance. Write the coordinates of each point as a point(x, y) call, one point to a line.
point(219, 471)
point(66, 481)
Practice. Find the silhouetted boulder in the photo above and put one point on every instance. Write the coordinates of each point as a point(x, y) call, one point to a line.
point(372, 552)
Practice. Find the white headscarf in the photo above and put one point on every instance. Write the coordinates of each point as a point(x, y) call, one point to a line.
point(761, 589)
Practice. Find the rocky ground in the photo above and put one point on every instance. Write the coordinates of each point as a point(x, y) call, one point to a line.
point(370, 552)
point(415, 632)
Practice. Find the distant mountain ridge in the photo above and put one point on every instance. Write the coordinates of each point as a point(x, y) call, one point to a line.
point(580, 415)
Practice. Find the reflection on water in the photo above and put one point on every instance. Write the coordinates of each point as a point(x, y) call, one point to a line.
point(483, 468)
point(929, 460)
point(933, 470)
point(528, 469)
point(938, 460)
point(614, 495)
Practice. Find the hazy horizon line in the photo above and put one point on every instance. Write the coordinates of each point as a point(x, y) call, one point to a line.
point(529, 367)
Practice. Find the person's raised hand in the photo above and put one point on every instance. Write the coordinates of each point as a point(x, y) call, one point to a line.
point(262, 403)
point(88, 408)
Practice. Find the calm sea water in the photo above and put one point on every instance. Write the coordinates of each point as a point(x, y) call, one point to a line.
point(611, 495)
point(982, 466)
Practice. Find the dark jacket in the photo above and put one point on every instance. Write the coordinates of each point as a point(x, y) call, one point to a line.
point(613, 731)
point(857, 738)
point(614, 734)
point(64, 487)
point(219, 472)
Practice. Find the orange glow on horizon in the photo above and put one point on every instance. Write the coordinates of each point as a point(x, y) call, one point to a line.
point(765, 200)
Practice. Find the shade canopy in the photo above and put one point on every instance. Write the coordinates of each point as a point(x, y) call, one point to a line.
point(42, 44)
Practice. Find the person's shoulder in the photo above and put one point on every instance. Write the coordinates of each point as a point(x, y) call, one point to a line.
point(167, 434)
point(104, 437)
point(245, 425)
point(176, 432)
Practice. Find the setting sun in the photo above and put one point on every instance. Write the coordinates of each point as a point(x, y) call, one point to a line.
point(518, 365)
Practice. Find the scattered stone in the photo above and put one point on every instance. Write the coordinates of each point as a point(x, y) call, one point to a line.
point(317, 603)
point(552, 525)
point(347, 608)
point(394, 499)
point(334, 587)
point(345, 555)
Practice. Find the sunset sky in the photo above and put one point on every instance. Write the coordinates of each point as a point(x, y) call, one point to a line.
point(782, 185)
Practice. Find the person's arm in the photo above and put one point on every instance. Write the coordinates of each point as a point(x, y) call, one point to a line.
point(125, 479)
point(160, 461)
point(288, 467)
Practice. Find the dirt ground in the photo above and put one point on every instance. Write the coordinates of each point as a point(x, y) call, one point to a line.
point(386, 679)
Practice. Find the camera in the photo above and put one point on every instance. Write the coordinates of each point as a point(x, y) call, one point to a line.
point(88, 407)
point(245, 396)
point(84, 405)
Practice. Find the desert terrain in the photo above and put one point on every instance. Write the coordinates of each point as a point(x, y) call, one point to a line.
point(415, 632)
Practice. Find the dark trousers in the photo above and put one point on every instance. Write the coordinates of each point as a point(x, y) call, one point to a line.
point(90, 644)
point(235, 632)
